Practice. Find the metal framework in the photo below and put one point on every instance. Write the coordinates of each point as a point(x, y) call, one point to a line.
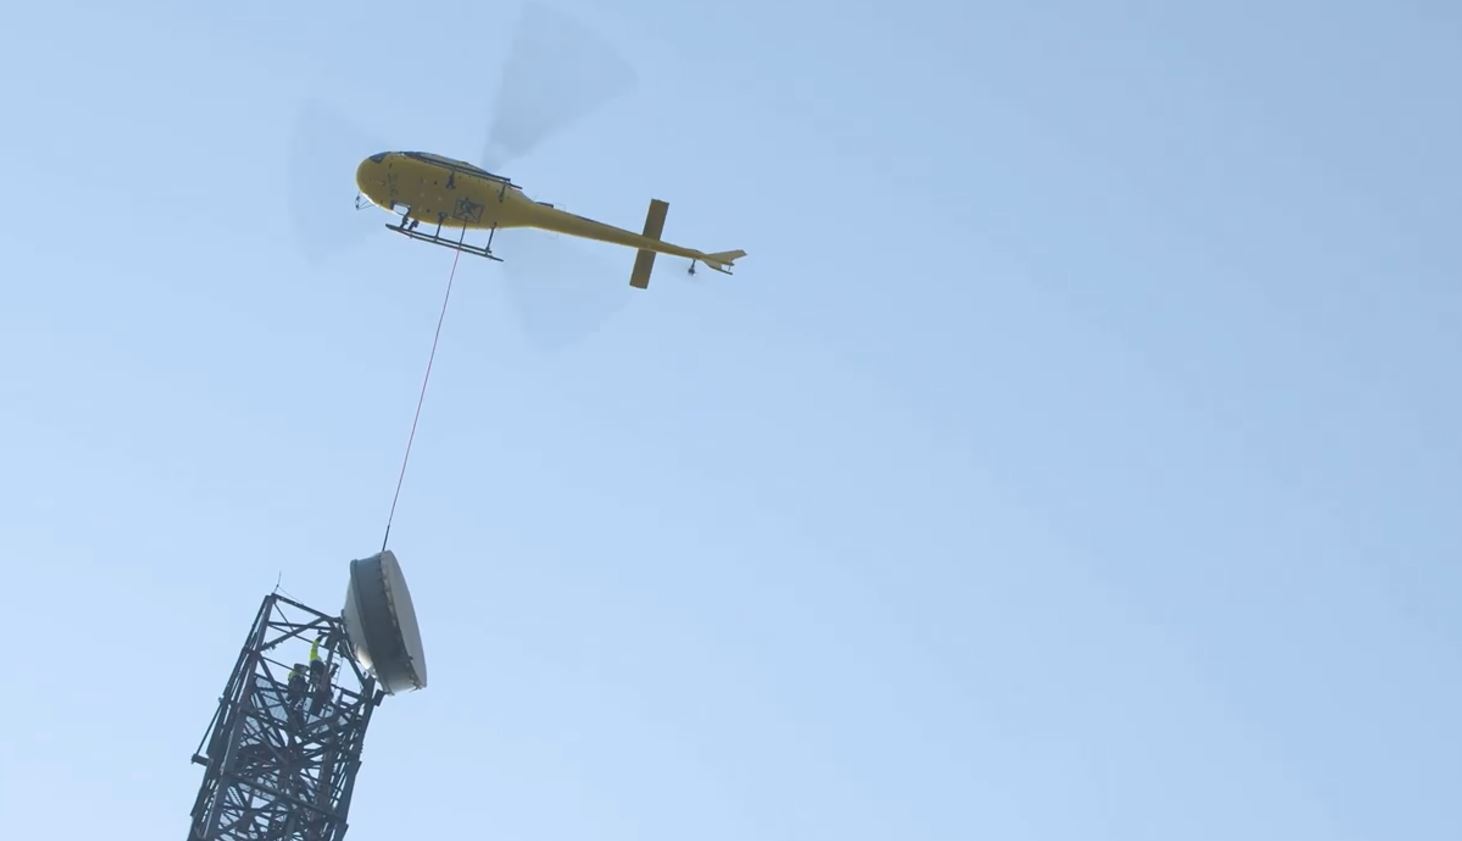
point(407, 227)
point(283, 748)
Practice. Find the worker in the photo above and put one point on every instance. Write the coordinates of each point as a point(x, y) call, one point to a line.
point(319, 679)
point(294, 698)
point(296, 691)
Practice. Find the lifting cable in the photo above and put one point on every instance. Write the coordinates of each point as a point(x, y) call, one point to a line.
point(422, 397)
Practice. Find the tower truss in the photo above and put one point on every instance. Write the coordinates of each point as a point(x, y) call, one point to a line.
point(282, 750)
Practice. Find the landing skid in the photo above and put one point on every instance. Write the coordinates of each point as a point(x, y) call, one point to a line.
point(407, 227)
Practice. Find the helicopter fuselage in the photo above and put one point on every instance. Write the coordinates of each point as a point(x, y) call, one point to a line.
point(435, 190)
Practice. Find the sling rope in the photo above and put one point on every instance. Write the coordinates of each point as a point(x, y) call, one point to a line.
point(422, 397)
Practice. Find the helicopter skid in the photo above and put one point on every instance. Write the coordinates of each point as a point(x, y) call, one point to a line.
point(436, 238)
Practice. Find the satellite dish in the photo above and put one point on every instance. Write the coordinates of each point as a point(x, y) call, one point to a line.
point(381, 624)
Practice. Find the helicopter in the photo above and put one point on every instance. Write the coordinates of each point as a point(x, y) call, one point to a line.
point(427, 187)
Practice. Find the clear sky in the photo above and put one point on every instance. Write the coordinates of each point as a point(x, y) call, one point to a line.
point(1075, 454)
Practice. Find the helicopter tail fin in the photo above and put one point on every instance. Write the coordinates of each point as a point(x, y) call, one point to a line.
point(645, 258)
point(721, 260)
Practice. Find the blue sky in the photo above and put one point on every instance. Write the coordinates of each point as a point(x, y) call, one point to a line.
point(1075, 453)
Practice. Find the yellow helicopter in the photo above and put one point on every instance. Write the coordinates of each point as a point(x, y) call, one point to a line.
point(425, 187)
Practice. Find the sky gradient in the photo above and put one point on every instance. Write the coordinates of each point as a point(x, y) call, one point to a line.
point(1075, 453)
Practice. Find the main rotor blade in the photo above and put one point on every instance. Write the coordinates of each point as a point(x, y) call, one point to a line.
point(562, 289)
point(325, 150)
point(557, 71)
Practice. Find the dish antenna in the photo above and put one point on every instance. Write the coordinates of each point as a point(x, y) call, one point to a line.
point(380, 623)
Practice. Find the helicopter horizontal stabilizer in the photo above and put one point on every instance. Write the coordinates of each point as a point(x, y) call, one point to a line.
point(645, 258)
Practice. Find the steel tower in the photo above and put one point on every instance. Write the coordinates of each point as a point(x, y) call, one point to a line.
point(284, 746)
